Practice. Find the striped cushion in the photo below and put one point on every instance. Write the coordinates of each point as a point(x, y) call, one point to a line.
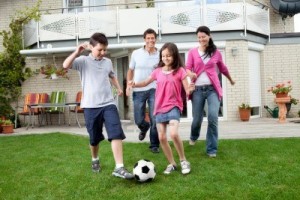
point(44, 98)
point(57, 97)
point(30, 98)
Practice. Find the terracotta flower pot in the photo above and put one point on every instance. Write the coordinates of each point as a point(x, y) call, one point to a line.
point(281, 95)
point(244, 114)
point(7, 129)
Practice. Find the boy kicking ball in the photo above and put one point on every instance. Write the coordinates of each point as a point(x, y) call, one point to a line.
point(98, 103)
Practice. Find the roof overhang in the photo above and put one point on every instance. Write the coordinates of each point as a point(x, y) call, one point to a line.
point(112, 48)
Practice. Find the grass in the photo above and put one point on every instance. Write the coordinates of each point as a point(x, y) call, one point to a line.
point(57, 166)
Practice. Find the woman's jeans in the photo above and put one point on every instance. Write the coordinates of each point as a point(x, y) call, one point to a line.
point(199, 96)
point(139, 102)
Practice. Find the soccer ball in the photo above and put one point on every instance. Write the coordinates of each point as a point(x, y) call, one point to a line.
point(144, 170)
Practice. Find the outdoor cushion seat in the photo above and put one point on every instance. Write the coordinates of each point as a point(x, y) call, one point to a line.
point(30, 98)
point(76, 109)
point(57, 97)
point(44, 98)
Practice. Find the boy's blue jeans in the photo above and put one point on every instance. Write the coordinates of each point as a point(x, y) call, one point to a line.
point(139, 102)
point(199, 96)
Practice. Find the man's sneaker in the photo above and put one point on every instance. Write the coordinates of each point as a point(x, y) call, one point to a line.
point(170, 168)
point(185, 167)
point(192, 142)
point(122, 173)
point(154, 150)
point(96, 166)
point(142, 136)
point(212, 155)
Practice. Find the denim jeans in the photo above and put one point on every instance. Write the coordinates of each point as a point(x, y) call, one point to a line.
point(139, 102)
point(199, 96)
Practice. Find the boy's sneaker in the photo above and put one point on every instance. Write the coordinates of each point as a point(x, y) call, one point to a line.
point(170, 168)
point(185, 167)
point(96, 166)
point(122, 173)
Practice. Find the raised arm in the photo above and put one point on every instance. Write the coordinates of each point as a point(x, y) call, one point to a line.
point(69, 60)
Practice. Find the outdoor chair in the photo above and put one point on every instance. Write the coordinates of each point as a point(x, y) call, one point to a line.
point(57, 97)
point(76, 109)
point(30, 98)
point(44, 98)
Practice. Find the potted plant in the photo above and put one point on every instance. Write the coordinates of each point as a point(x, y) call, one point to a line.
point(7, 126)
point(244, 111)
point(281, 89)
point(289, 104)
point(53, 72)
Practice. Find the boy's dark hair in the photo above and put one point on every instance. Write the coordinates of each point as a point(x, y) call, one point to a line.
point(210, 50)
point(177, 61)
point(149, 31)
point(98, 38)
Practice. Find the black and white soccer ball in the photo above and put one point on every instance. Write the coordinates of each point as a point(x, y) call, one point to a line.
point(144, 170)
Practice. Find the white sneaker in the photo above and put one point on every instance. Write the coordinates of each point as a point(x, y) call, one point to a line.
point(192, 142)
point(185, 167)
point(212, 155)
point(170, 168)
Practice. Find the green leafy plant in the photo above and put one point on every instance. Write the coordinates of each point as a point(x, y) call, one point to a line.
point(244, 106)
point(12, 64)
point(7, 122)
point(294, 101)
point(284, 87)
point(48, 70)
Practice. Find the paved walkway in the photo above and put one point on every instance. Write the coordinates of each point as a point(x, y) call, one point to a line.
point(255, 128)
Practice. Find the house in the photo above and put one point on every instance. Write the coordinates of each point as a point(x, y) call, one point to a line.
point(256, 40)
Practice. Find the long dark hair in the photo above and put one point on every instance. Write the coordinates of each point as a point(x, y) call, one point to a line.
point(210, 50)
point(177, 62)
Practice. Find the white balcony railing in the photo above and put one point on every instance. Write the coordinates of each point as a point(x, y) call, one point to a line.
point(130, 22)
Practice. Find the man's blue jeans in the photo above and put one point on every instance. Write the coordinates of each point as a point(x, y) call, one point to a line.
point(199, 96)
point(139, 102)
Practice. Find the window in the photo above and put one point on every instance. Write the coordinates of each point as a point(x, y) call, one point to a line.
point(73, 5)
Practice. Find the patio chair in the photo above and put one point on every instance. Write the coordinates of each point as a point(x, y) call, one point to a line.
point(76, 109)
point(57, 97)
point(44, 98)
point(30, 98)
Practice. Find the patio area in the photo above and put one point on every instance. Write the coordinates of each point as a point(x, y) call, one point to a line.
point(255, 128)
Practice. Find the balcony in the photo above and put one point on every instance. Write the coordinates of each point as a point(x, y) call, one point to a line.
point(117, 23)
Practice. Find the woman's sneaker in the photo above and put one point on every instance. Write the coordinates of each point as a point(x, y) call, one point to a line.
point(96, 166)
point(185, 167)
point(170, 168)
point(212, 155)
point(122, 173)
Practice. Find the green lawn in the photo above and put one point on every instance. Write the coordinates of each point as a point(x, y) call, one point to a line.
point(57, 166)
